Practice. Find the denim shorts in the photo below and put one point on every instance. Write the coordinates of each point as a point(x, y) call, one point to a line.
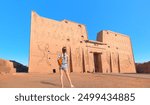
point(64, 66)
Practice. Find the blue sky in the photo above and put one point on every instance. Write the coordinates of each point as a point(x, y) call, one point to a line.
point(131, 17)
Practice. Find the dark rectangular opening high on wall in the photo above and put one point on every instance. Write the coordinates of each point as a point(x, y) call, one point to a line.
point(97, 62)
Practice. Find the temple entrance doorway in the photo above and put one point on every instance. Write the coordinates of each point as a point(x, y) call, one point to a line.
point(97, 62)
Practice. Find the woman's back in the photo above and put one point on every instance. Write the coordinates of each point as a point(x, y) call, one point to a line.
point(64, 58)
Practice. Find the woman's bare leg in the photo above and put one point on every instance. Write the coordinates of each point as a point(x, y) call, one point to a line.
point(68, 77)
point(61, 78)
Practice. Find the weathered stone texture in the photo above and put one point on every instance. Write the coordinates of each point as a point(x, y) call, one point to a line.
point(143, 67)
point(6, 67)
point(112, 52)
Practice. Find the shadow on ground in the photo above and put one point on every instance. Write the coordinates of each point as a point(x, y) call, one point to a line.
point(49, 83)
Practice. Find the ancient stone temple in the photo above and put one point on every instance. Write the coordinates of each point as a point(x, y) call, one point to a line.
point(111, 53)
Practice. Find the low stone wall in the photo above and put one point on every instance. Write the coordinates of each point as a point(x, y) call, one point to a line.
point(9, 66)
point(6, 67)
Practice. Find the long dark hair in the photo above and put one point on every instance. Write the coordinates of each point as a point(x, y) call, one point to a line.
point(64, 50)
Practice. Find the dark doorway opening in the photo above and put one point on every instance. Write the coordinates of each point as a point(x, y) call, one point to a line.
point(54, 70)
point(98, 62)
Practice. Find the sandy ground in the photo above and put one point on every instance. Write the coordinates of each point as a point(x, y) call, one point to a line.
point(80, 80)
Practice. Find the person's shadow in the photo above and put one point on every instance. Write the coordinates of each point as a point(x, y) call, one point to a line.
point(49, 83)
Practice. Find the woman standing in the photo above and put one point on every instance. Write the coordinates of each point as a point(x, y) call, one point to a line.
point(64, 67)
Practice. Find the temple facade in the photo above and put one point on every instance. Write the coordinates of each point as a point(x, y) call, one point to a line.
point(110, 53)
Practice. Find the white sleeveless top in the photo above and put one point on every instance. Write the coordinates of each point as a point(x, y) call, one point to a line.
point(64, 58)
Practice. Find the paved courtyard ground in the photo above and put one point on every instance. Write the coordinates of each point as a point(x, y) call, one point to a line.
point(80, 80)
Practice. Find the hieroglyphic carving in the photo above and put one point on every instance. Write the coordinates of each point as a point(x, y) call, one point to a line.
point(78, 57)
point(45, 53)
point(129, 59)
point(108, 58)
point(87, 57)
point(126, 61)
point(114, 60)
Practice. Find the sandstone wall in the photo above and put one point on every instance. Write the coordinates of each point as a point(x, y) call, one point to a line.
point(119, 52)
point(6, 67)
point(111, 53)
point(47, 39)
